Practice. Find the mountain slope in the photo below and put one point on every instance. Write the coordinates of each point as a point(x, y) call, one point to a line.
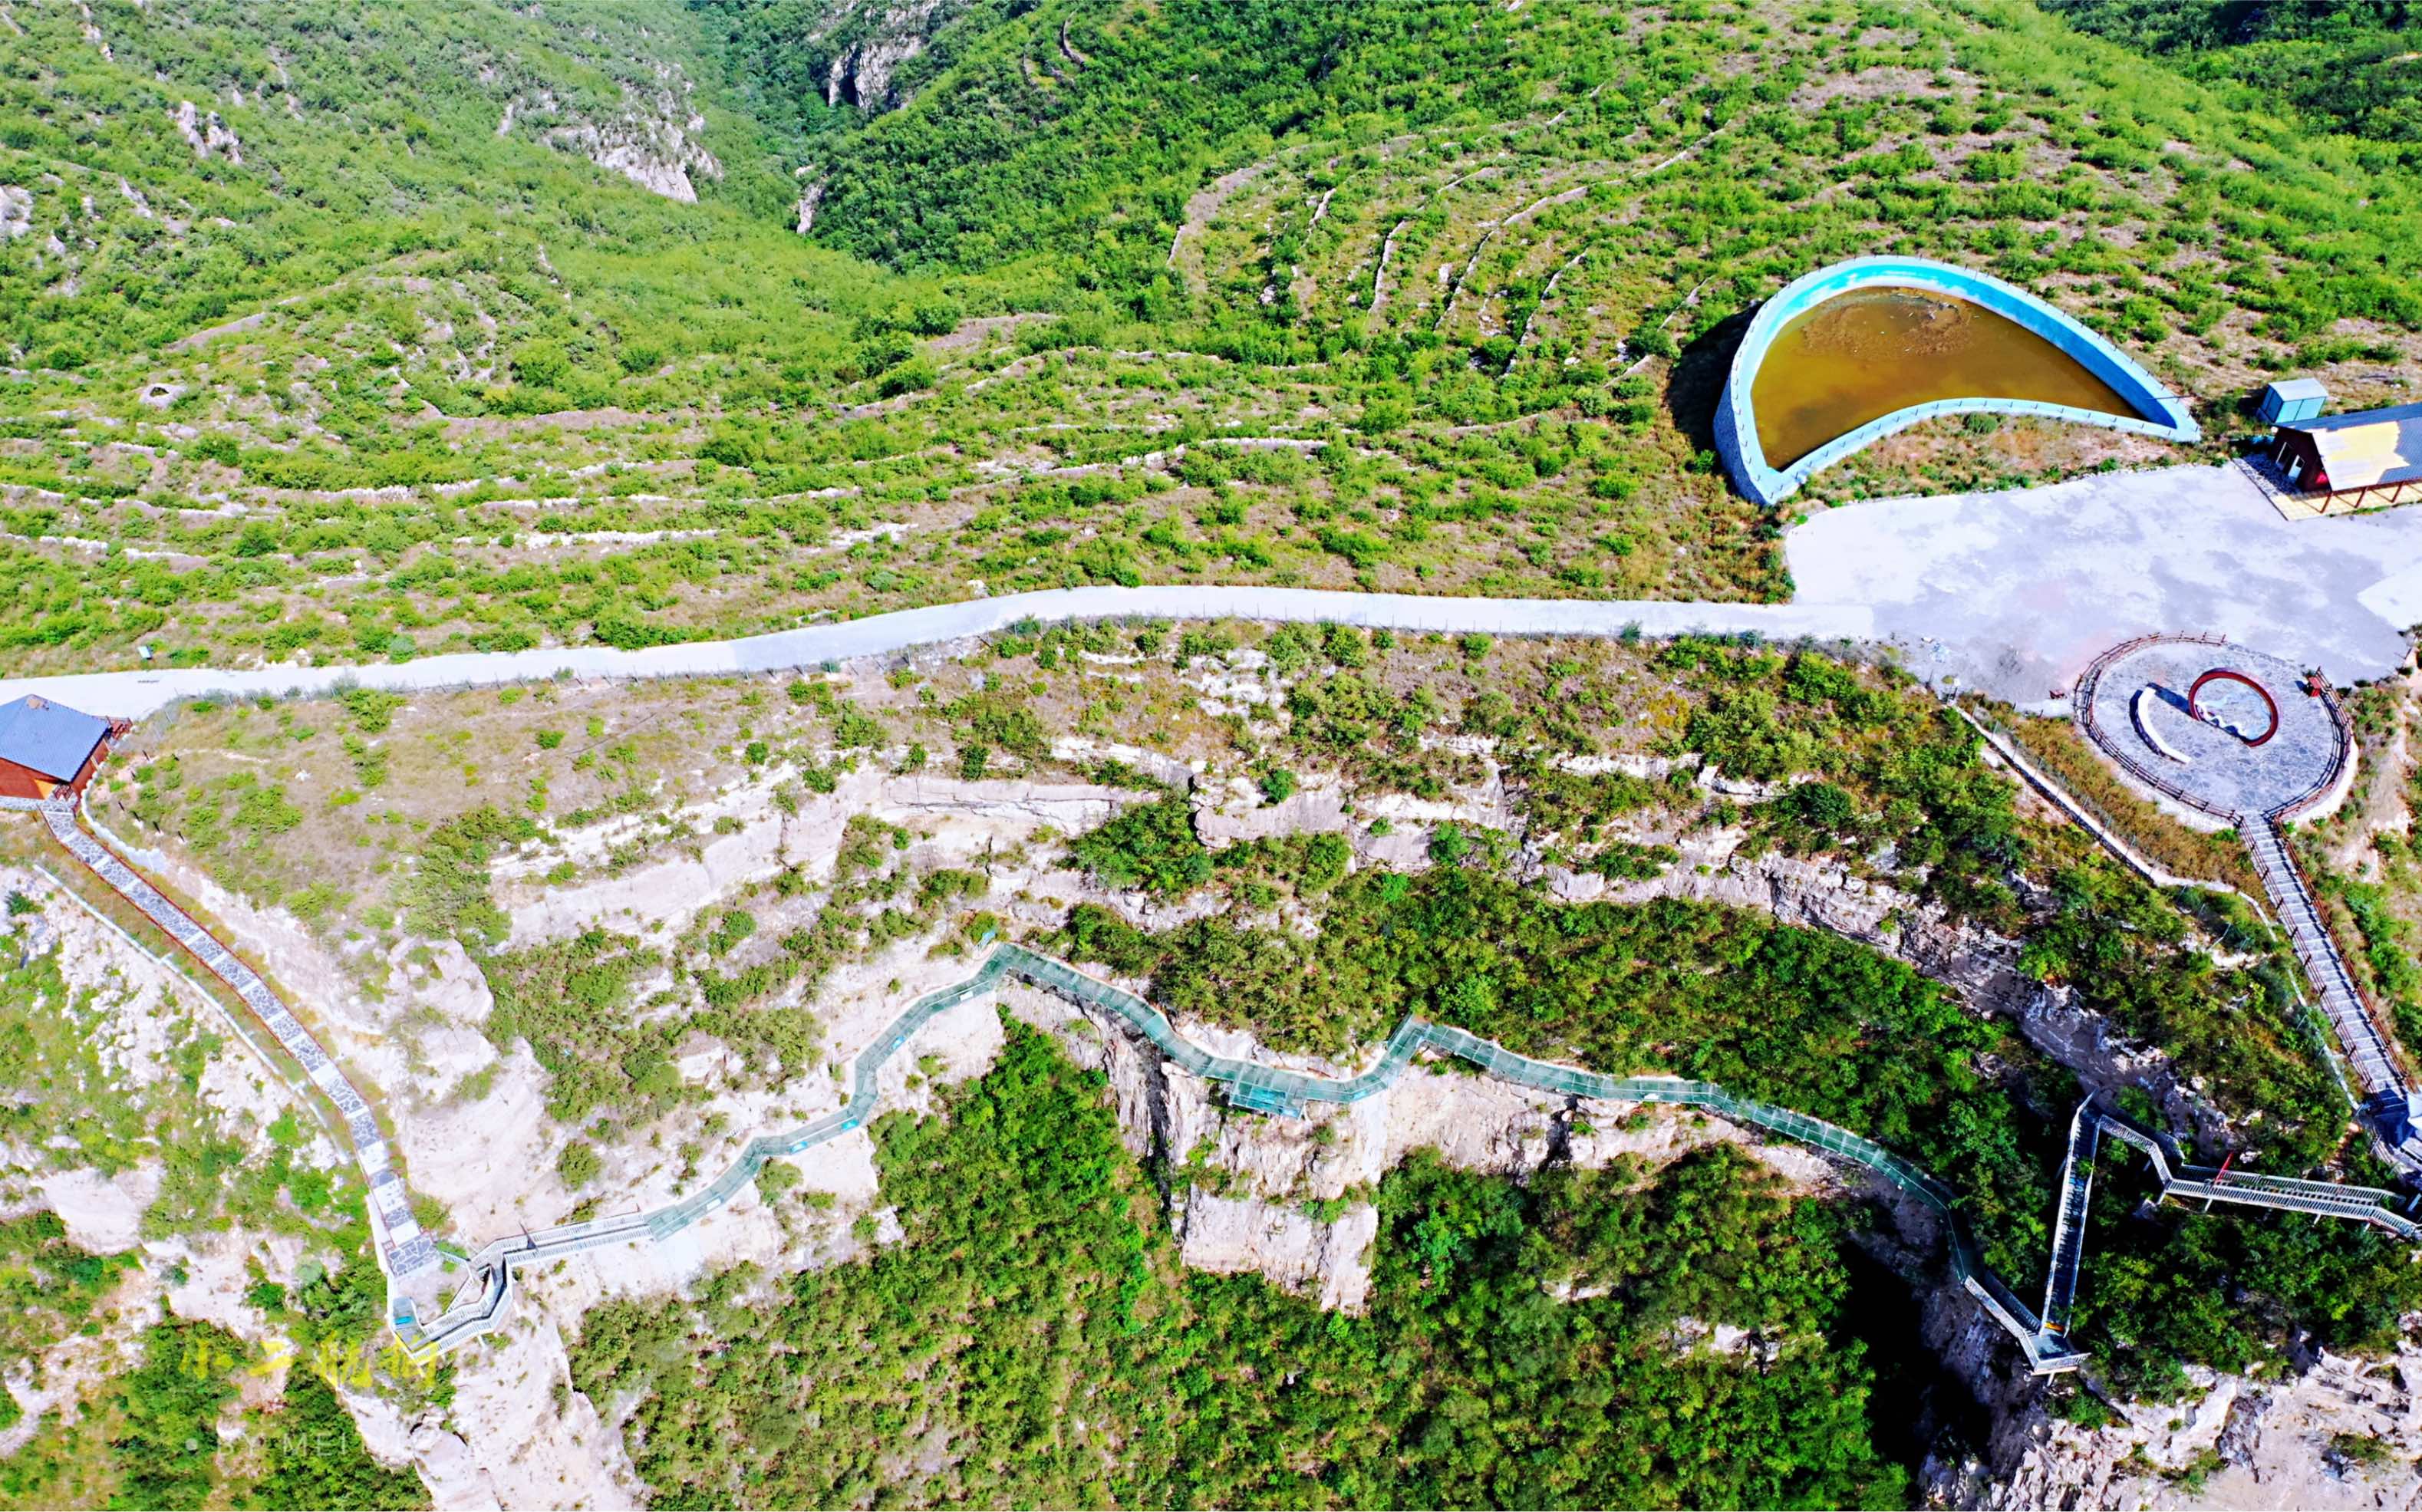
point(2353, 65)
point(170, 166)
point(1418, 297)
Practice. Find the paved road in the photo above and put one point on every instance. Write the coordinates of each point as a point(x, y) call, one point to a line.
point(132, 695)
point(2012, 591)
point(2016, 591)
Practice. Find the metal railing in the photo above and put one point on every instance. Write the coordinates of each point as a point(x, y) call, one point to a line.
point(404, 1249)
point(2082, 700)
point(2107, 828)
point(1256, 1087)
point(2365, 1039)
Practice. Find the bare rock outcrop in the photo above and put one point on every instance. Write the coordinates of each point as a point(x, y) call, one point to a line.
point(206, 133)
point(653, 139)
point(1978, 965)
point(868, 41)
point(1293, 1246)
point(1289, 1198)
point(2324, 1432)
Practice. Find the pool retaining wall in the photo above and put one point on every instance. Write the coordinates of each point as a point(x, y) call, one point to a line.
point(1736, 439)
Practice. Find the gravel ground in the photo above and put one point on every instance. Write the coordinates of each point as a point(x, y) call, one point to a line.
point(2140, 707)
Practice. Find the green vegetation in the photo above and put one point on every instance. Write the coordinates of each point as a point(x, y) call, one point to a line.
point(1032, 1340)
point(578, 1164)
point(1124, 318)
point(1150, 846)
point(48, 1288)
point(2128, 953)
point(2345, 66)
point(63, 1091)
point(1802, 1018)
point(316, 1458)
point(166, 1413)
point(150, 1443)
point(2170, 1288)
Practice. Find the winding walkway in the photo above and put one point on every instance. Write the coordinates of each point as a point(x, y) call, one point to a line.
point(411, 1261)
point(135, 694)
point(2259, 794)
point(487, 1296)
point(404, 1248)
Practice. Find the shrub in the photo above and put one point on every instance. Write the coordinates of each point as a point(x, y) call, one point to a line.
point(579, 1164)
point(1151, 845)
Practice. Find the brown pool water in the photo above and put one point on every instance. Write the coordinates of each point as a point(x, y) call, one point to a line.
point(1861, 355)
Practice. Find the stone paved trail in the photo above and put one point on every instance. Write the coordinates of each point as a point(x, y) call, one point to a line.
point(2368, 1048)
point(403, 1248)
point(2257, 782)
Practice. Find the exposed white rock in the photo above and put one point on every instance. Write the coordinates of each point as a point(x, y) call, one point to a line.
point(885, 34)
point(490, 1160)
point(103, 1213)
point(218, 1272)
point(206, 133)
point(1255, 1215)
point(1236, 811)
point(447, 1463)
point(654, 140)
point(979, 815)
point(16, 211)
point(2327, 1432)
point(531, 1451)
point(1287, 1245)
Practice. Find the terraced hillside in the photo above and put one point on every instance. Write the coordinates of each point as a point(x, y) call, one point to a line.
point(1427, 297)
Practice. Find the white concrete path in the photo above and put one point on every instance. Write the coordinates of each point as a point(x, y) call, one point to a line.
point(2013, 592)
point(134, 693)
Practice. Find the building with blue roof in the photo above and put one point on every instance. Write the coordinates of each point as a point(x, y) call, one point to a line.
point(48, 749)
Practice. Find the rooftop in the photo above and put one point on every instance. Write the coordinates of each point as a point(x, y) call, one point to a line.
point(2370, 447)
point(47, 737)
point(2398, 414)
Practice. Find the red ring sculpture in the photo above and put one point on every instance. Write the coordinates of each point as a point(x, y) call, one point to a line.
point(2223, 674)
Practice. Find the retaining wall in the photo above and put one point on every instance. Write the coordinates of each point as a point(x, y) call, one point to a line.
point(2160, 412)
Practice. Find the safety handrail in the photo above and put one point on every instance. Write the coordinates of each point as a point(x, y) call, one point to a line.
point(1254, 1086)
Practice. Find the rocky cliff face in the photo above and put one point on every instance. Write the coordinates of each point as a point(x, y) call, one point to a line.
point(2316, 1432)
point(1290, 1198)
point(653, 139)
point(869, 41)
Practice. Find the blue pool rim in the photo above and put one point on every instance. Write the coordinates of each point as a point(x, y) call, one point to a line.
point(1737, 415)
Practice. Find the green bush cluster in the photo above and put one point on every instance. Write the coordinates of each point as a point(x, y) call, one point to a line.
point(1032, 1340)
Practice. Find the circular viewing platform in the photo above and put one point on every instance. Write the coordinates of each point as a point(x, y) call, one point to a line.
point(2225, 729)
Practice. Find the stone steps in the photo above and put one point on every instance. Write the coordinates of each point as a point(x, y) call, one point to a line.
point(407, 1249)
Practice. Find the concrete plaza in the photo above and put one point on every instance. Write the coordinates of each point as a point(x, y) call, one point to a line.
point(2016, 591)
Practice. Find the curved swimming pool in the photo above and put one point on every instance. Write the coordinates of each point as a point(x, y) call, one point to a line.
point(1945, 339)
